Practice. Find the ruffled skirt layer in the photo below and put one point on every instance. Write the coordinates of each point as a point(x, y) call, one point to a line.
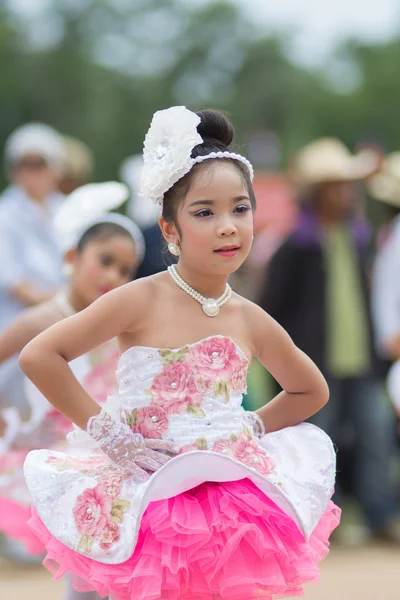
point(14, 519)
point(216, 541)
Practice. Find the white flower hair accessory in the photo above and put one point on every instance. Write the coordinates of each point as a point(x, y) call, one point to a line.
point(167, 151)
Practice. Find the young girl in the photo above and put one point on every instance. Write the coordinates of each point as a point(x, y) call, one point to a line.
point(103, 254)
point(189, 498)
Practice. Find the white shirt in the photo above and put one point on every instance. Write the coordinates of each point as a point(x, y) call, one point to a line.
point(386, 289)
point(29, 252)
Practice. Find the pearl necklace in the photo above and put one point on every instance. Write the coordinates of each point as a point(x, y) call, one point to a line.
point(64, 304)
point(210, 306)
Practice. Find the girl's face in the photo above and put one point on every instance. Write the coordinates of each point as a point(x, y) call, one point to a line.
point(36, 176)
point(215, 221)
point(101, 266)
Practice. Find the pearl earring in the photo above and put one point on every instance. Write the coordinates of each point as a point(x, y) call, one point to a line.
point(68, 270)
point(174, 249)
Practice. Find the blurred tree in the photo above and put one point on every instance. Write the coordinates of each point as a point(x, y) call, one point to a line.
point(98, 69)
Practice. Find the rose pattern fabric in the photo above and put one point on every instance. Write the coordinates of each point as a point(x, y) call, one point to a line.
point(204, 385)
point(98, 511)
point(110, 536)
point(248, 452)
point(174, 389)
point(239, 377)
point(92, 511)
point(242, 448)
point(210, 368)
point(150, 421)
point(214, 358)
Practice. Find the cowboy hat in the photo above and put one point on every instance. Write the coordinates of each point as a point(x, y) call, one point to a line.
point(385, 185)
point(327, 159)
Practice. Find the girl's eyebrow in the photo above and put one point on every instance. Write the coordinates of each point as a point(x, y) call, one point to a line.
point(210, 202)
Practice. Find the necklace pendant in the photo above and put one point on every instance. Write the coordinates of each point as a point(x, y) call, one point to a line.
point(210, 307)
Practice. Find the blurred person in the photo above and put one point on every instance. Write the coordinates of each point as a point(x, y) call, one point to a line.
point(277, 214)
point(31, 257)
point(385, 187)
point(317, 289)
point(77, 168)
point(103, 250)
point(145, 214)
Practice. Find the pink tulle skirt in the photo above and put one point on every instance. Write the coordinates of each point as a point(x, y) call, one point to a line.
point(214, 542)
point(14, 519)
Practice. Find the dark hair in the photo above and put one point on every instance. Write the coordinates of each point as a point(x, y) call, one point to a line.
point(102, 231)
point(217, 133)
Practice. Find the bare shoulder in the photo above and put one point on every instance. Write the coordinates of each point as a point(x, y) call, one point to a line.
point(142, 291)
point(135, 298)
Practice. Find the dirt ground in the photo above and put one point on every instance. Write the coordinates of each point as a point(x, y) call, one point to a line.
point(372, 573)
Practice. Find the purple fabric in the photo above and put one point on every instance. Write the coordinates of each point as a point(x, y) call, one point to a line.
point(308, 232)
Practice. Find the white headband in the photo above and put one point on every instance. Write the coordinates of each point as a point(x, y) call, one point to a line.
point(167, 151)
point(232, 155)
point(116, 219)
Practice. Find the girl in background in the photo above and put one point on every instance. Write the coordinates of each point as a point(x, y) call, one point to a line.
point(103, 250)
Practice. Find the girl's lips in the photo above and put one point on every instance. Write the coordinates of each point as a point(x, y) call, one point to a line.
point(228, 251)
point(105, 290)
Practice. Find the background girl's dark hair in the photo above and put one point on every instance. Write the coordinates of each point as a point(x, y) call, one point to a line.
point(217, 133)
point(101, 232)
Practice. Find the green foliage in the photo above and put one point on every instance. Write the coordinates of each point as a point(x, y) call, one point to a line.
point(98, 69)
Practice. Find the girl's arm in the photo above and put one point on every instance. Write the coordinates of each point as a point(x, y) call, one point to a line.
point(21, 331)
point(305, 390)
point(45, 359)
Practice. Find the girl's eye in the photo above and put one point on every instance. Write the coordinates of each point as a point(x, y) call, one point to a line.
point(242, 208)
point(106, 261)
point(125, 273)
point(205, 212)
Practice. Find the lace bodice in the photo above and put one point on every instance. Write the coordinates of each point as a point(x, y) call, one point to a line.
point(191, 395)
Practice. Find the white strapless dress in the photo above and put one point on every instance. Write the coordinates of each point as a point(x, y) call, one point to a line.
point(101, 525)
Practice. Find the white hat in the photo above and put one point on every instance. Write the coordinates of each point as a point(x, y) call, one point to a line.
point(327, 159)
point(90, 205)
point(385, 185)
point(85, 204)
point(35, 138)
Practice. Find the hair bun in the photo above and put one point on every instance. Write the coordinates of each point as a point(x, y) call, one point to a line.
point(215, 126)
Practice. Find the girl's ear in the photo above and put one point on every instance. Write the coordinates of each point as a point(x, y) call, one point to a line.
point(169, 231)
point(71, 256)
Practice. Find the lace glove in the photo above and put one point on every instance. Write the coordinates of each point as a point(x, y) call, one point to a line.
point(129, 451)
point(255, 422)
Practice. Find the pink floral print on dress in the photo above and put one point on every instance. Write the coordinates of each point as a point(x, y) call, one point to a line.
point(214, 358)
point(174, 389)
